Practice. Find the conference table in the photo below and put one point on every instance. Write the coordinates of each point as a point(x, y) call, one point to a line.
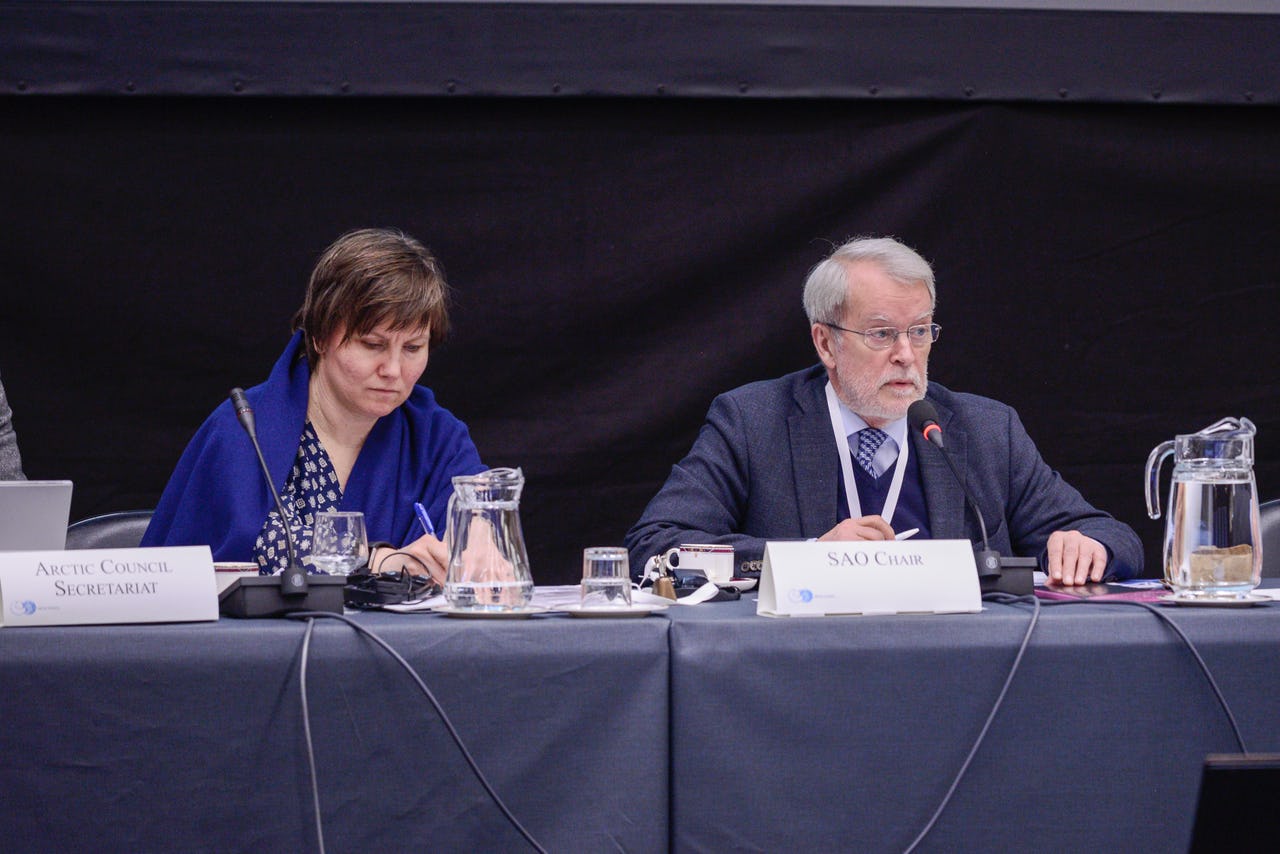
point(704, 728)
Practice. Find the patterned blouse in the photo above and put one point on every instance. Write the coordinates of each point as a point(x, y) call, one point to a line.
point(312, 488)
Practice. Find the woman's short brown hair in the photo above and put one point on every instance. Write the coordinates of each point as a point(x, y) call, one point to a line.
point(368, 278)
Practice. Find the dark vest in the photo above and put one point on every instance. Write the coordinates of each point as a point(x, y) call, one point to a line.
point(912, 511)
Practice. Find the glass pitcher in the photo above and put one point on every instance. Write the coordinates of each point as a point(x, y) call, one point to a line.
point(488, 564)
point(1212, 541)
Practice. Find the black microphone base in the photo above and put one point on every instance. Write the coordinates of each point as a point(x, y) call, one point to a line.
point(1015, 577)
point(261, 597)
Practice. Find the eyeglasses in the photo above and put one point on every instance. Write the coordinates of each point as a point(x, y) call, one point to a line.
point(883, 337)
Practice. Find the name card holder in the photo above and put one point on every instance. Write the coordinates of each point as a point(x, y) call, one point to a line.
point(813, 579)
point(93, 586)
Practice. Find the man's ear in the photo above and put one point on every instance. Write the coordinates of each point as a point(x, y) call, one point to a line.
point(823, 342)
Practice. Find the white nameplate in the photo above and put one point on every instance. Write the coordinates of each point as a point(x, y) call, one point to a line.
point(161, 585)
point(872, 577)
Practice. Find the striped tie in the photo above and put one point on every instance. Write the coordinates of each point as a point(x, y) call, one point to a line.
point(869, 441)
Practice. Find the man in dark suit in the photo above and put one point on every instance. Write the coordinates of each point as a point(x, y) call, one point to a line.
point(10, 459)
point(825, 453)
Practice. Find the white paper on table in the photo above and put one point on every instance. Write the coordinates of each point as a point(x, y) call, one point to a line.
point(557, 595)
point(417, 605)
point(550, 596)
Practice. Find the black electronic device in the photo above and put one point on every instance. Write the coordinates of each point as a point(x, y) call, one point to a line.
point(1238, 792)
point(688, 581)
point(996, 573)
point(292, 589)
point(260, 596)
point(366, 591)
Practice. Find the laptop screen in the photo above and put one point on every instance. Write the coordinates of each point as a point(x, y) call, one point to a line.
point(34, 515)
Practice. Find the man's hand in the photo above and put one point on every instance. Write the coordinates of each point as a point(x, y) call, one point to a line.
point(866, 528)
point(1075, 558)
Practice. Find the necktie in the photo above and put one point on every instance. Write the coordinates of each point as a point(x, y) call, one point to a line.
point(869, 441)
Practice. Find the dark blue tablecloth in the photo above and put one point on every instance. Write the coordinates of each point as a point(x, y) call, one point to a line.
point(707, 729)
point(843, 734)
point(189, 737)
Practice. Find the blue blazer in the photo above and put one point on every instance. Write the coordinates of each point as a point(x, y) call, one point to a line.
point(217, 495)
point(765, 467)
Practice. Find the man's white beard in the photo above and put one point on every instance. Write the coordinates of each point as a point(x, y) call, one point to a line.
point(864, 398)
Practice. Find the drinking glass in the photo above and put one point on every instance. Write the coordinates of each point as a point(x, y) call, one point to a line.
point(338, 542)
point(606, 578)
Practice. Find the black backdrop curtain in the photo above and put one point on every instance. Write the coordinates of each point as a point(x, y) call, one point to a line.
point(1110, 271)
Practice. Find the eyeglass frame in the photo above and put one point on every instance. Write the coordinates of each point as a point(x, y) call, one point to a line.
point(935, 329)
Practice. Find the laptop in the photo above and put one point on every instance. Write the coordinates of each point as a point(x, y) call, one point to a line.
point(34, 515)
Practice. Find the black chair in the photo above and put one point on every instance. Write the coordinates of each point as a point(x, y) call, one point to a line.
point(1269, 513)
point(122, 530)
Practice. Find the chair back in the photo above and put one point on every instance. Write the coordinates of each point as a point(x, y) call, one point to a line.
point(1269, 515)
point(121, 530)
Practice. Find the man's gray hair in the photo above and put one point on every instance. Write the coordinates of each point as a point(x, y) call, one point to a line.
point(826, 288)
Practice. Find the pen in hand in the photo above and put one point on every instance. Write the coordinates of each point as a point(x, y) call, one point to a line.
point(424, 518)
point(907, 534)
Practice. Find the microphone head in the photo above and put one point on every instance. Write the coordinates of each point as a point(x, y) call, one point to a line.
point(923, 418)
point(920, 414)
point(244, 412)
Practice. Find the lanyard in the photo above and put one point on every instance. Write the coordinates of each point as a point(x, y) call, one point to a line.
point(846, 465)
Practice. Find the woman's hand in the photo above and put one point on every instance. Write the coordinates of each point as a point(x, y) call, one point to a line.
point(432, 553)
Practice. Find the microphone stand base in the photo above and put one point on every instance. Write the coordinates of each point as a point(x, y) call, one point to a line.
point(1015, 577)
point(261, 597)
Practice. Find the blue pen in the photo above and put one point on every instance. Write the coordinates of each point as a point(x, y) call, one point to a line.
point(424, 518)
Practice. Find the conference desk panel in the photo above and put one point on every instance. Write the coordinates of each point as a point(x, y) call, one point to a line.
point(190, 737)
point(843, 734)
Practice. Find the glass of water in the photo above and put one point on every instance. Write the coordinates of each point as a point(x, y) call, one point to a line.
point(339, 544)
point(606, 578)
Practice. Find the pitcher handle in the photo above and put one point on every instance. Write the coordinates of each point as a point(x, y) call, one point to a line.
point(450, 527)
point(1154, 461)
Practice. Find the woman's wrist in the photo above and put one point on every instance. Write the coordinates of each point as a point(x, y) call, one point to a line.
point(375, 563)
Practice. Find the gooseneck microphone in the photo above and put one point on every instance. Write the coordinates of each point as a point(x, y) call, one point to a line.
point(923, 418)
point(293, 579)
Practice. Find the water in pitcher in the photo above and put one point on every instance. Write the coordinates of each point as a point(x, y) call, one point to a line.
point(489, 595)
point(1211, 541)
point(488, 564)
point(1212, 544)
point(489, 559)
